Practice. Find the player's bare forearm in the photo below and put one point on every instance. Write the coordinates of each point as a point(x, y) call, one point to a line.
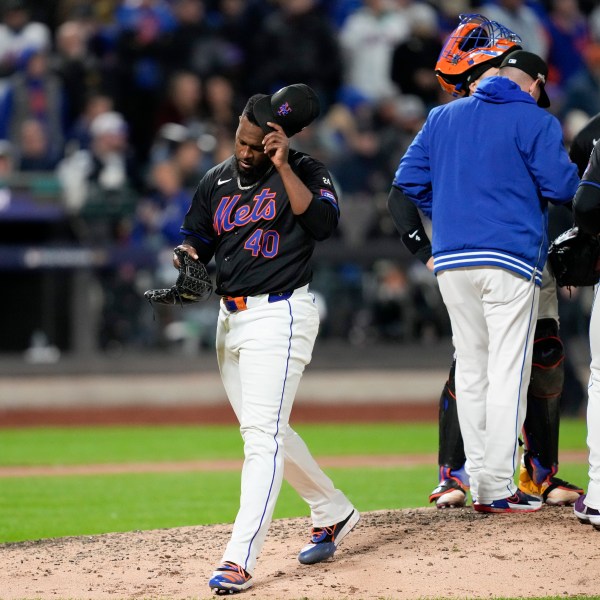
point(277, 146)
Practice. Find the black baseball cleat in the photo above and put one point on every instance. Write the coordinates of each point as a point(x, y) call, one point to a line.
point(449, 494)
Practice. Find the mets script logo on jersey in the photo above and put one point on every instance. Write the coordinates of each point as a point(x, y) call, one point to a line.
point(228, 217)
point(284, 109)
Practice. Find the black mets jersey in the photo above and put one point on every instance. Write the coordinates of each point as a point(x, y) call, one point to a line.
point(581, 147)
point(586, 203)
point(259, 245)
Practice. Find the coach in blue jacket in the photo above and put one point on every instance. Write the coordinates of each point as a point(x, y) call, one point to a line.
point(483, 169)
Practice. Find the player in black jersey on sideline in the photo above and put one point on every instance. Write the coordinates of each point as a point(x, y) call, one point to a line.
point(260, 213)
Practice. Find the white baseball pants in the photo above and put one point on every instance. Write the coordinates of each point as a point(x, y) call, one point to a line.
point(493, 313)
point(592, 498)
point(262, 352)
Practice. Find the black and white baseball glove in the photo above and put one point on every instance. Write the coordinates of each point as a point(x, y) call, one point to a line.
point(193, 284)
point(574, 258)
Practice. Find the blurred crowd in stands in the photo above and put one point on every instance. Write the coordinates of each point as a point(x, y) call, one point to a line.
point(127, 103)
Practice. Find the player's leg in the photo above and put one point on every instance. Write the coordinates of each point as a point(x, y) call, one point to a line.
point(327, 504)
point(229, 577)
point(541, 428)
point(587, 507)
point(493, 315)
point(228, 361)
point(272, 343)
point(453, 485)
point(469, 333)
point(511, 306)
point(332, 514)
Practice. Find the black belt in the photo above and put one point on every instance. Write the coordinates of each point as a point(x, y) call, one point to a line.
point(238, 303)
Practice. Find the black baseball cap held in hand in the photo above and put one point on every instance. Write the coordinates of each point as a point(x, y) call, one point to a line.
point(534, 66)
point(294, 107)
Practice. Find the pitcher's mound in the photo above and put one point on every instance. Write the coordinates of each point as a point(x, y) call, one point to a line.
point(400, 554)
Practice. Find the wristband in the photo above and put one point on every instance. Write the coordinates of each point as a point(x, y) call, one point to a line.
point(416, 240)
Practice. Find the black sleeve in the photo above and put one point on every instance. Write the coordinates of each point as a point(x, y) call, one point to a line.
point(322, 215)
point(205, 252)
point(583, 143)
point(407, 220)
point(586, 203)
point(320, 218)
point(580, 155)
point(197, 223)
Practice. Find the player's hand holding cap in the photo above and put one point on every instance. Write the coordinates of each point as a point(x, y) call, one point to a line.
point(294, 107)
point(534, 66)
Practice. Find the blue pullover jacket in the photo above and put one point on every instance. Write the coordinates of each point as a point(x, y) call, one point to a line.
point(483, 169)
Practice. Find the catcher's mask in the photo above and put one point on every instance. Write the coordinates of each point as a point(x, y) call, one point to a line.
point(473, 47)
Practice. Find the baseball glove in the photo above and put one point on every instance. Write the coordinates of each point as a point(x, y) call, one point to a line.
point(574, 258)
point(193, 284)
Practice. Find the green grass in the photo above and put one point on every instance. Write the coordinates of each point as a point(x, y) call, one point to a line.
point(70, 446)
point(53, 506)
point(85, 445)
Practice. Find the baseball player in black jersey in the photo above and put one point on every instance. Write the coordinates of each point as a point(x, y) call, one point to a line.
point(259, 214)
point(583, 143)
point(472, 52)
point(586, 208)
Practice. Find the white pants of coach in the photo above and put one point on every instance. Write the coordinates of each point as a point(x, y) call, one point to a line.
point(592, 498)
point(262, 353)
point(493, 314)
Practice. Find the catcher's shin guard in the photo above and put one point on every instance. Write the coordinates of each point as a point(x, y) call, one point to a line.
point(451, 452)
point(540, 430)
point(453, 479)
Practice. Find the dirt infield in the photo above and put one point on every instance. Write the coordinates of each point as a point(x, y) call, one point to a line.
point(207, 415)
point(191, 466)
point(404, 554)
point(398, 554)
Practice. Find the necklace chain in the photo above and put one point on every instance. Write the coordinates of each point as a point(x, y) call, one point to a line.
point(245, 188)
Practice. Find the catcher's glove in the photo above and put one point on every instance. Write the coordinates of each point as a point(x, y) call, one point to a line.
point(574, 258)
point(193, 283)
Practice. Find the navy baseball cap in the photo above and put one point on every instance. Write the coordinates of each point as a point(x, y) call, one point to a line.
point(534, 66)
point(294, 107)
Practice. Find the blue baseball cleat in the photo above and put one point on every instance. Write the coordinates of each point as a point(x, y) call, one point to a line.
point(325, 540)
point(230, 578)
point(519, 502)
